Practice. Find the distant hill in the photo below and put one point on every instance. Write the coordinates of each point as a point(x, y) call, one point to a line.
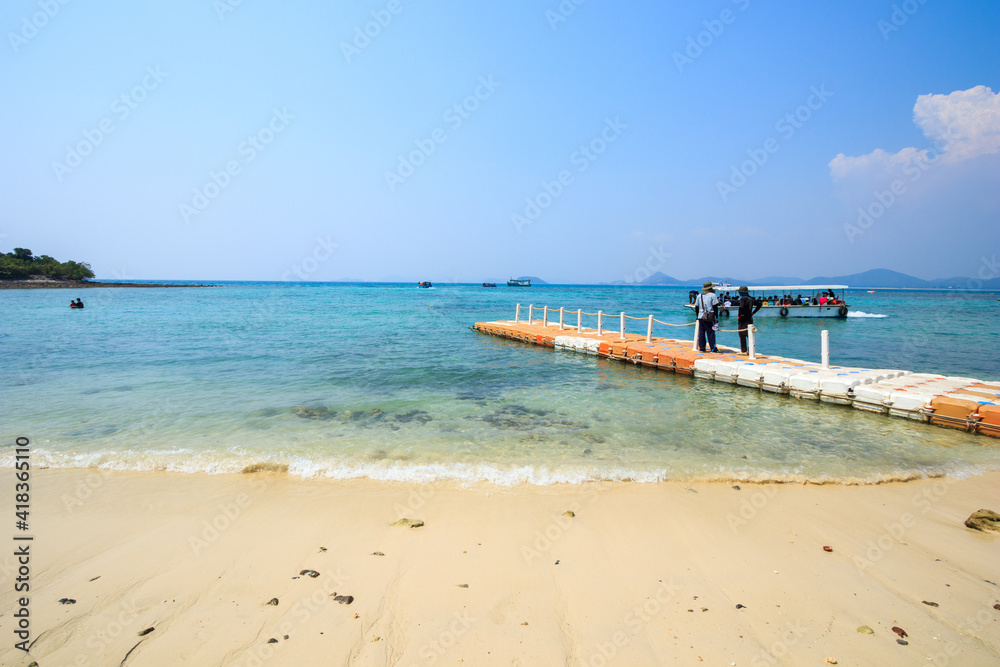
point(873, 278)
point(659, 278)
point(883, 278)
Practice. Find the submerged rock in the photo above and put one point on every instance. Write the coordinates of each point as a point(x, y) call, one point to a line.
point(418, 416)
point(984, 520)
point(306, 412)
point(519, 417)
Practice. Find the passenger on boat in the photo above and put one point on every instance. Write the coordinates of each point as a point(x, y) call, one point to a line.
point(798, 300)
point(822, 300)
point(692, 295)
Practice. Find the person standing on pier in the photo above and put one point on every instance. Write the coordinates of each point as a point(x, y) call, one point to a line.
point(707, 308)
point(748, 308)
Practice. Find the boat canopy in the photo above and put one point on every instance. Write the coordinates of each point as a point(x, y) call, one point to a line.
point(793, 288)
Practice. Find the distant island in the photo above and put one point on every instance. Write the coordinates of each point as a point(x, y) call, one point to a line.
point(21, 269)
point(22, 265)
point(875, 278)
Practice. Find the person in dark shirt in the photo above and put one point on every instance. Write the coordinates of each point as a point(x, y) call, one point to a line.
point(748, 307)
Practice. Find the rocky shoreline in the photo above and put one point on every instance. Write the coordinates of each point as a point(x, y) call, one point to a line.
point(78, 284)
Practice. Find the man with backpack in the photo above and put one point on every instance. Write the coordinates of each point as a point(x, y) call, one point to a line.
point(748, 308)
point(706, 306)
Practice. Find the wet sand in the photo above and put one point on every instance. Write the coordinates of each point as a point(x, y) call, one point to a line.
point(628, 574)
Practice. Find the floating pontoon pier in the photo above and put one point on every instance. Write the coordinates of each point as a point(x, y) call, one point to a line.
point(955, 402)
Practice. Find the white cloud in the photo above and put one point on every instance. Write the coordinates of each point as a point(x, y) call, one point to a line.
point(961, 125)
point(966, 123)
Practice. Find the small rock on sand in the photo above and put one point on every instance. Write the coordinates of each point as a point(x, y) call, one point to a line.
point(67, 601)
point(930, 604)
point(409, 523)
point(309, 573)
point(984, 520)
point(343, 599)
point(899, 631)
point(865, 630)
point(569, 513)
point(143, 633)
point(273, 602)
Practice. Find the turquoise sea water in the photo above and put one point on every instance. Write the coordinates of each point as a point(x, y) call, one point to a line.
point(385, 381)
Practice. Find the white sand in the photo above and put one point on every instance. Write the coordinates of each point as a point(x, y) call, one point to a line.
point(644, 574)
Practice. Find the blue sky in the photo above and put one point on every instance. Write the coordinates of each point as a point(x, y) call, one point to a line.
point(470, 141)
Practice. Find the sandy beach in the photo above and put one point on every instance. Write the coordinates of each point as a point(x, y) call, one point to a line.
point(629, 574)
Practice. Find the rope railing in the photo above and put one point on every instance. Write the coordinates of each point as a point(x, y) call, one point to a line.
point(622, 317)
point(668, 324)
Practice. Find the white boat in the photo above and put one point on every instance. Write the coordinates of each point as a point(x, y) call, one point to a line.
point(783, 300)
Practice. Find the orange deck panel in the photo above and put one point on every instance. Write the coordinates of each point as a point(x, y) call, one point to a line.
point(949, 411)
point(990, 424)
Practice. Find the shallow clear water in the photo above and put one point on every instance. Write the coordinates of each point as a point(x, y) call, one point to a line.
point(386, 381)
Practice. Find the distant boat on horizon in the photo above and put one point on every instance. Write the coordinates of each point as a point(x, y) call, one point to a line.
point(519, 282)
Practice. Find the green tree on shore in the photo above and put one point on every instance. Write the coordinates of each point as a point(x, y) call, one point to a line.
point(22, 265)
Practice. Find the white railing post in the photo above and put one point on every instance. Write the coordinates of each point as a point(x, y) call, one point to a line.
point(623, 326)
point(517, 313)
point(579, 320)
point(531, 310)
point(751, 341)
point(600, 323)
point(824, 347)
point(562, 314)
point(694, 345)
point(545, 316)
point(649, 331)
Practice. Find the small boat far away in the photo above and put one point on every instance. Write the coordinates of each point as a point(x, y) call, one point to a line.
point(786, 301)
point(519, 282)
point(424, 283)
point(489, 284)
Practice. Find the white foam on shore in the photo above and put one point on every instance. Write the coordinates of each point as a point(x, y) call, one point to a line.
point(465, 474)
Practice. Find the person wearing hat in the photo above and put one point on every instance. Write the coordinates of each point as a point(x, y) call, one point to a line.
point(747, 308)
point(706, 306)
